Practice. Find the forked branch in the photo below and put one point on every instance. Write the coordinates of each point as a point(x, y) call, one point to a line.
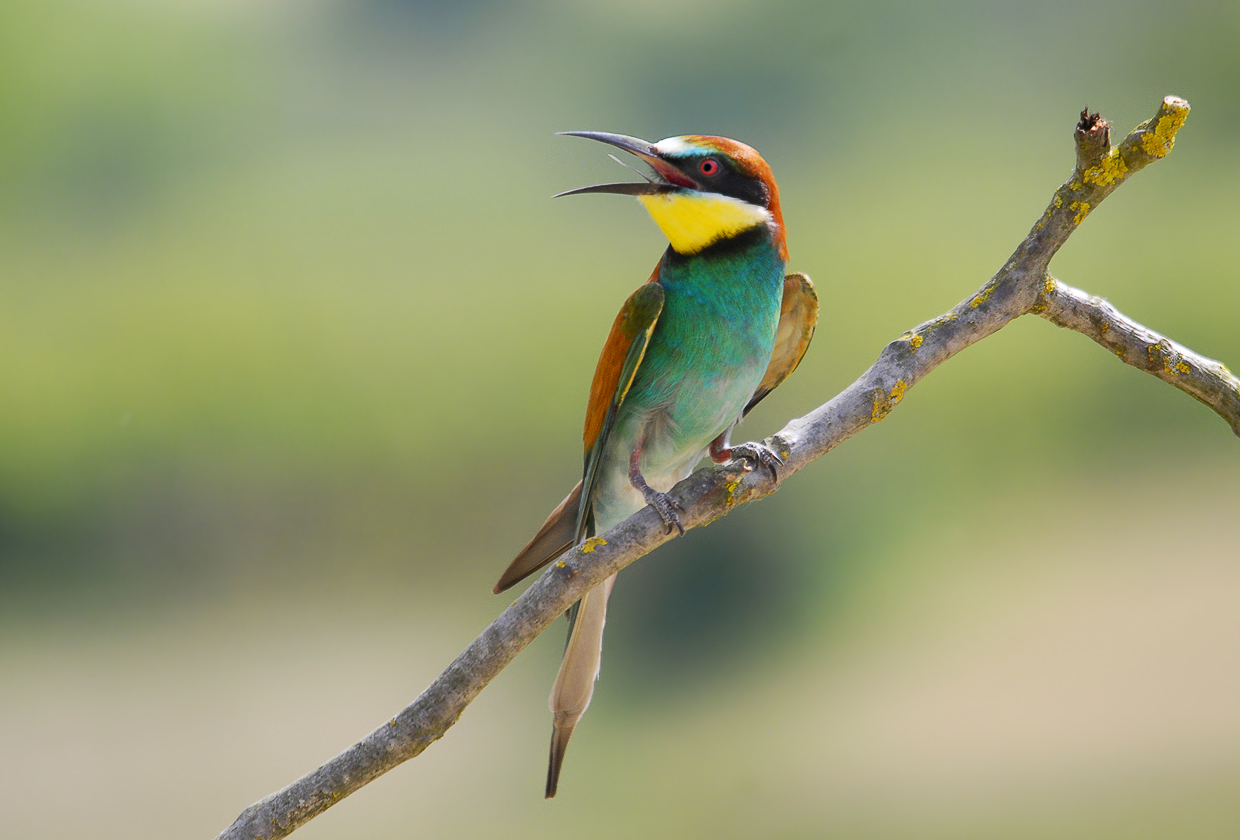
point(1021, 286)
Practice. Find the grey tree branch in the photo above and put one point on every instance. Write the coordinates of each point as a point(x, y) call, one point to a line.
point(1207, 380)
point(1021, 286)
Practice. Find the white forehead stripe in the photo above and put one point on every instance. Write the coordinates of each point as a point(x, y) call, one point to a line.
point(673, 146)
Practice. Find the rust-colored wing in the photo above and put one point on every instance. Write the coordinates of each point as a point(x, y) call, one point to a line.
point(622, 355)
point(626, 345)
point(798, 315)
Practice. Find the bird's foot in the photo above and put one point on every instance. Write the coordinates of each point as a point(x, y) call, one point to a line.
point(758, 455)
point(665, 506)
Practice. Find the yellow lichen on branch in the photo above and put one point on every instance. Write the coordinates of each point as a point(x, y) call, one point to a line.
point(1108, 172)
point(1161, 140)
point(884, 403)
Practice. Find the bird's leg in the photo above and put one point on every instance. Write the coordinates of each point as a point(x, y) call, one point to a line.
point(756, 454)
point(663, 504)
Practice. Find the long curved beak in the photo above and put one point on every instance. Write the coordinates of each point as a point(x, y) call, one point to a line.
point(644, 149)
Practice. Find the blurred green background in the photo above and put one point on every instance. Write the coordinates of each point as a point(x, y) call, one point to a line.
point(294, 351)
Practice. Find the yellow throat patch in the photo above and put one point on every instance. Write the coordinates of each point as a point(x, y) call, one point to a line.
point(693, 220)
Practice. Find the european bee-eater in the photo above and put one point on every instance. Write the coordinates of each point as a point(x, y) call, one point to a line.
point(712, 332)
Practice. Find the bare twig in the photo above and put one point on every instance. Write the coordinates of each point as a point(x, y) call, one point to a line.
point(1021, 286)
point(1207, 380)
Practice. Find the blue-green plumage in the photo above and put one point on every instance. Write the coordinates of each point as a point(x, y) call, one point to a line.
point(706, 356)
point(717, 329)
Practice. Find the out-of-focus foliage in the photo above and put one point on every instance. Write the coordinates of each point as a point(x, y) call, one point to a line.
point(294, 350)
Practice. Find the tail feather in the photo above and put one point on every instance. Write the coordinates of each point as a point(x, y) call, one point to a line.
point(574, 685)
point(559, 745)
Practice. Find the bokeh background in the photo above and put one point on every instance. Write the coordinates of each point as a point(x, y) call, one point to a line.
point(294, 350)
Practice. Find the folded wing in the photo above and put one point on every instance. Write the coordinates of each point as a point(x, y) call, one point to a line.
point(798, 316)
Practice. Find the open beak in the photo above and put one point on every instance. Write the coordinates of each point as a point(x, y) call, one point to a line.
point(670, 178)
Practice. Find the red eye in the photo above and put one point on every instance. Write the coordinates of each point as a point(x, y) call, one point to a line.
point(709, 167)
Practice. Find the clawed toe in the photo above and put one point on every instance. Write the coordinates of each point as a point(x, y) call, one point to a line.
point(759, 455)
point(666, 507)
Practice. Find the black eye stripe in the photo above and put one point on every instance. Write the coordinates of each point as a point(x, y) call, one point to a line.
point(725, 178)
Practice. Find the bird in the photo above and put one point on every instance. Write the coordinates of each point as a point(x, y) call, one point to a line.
point(714, 330)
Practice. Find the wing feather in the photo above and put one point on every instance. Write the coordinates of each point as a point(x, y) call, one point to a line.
point(798, 316)
point(553, 539)
point(617, 366)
